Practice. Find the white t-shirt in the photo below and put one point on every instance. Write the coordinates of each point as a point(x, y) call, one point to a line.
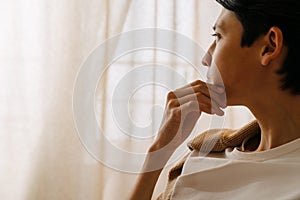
point(236, 175)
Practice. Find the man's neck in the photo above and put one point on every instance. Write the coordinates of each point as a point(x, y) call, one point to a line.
point(279, 121)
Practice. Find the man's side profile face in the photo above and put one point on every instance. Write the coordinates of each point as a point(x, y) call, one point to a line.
point(243, 70)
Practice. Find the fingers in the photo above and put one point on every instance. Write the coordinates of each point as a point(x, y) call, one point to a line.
point(192, 88)
point(183, 109)
point(210, 98)
point(198, 86)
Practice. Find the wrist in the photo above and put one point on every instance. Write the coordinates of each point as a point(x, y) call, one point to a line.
point(163, 148)
point(160, 153)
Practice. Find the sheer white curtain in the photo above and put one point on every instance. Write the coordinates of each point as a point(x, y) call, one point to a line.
point(43, 44)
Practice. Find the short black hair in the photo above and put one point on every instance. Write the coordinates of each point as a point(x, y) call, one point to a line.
point(258, 16)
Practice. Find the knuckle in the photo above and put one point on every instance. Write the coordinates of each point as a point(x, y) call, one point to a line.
point(197, 82)
point(171, 95)
point(202, 87)
point(204, 107)
point(199, 95)
point(176, 112)
point(199, 87)
point(172, 103)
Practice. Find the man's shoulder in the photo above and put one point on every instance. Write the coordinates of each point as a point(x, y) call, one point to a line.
point(217, 140)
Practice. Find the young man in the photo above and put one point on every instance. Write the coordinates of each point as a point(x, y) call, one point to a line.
point(255, 51)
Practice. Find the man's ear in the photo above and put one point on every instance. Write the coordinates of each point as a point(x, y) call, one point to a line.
point(273, 44)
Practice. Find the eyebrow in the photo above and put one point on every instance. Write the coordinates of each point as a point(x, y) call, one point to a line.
point(217, 26)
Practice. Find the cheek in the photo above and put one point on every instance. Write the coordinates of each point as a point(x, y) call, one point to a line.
point(221, 68)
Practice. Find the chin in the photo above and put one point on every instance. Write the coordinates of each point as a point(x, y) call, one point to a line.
point(214, 77)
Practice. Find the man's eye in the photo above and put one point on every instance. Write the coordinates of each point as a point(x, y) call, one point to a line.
point(216, 35)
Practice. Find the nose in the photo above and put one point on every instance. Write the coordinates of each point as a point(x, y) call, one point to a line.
point(206, 60)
